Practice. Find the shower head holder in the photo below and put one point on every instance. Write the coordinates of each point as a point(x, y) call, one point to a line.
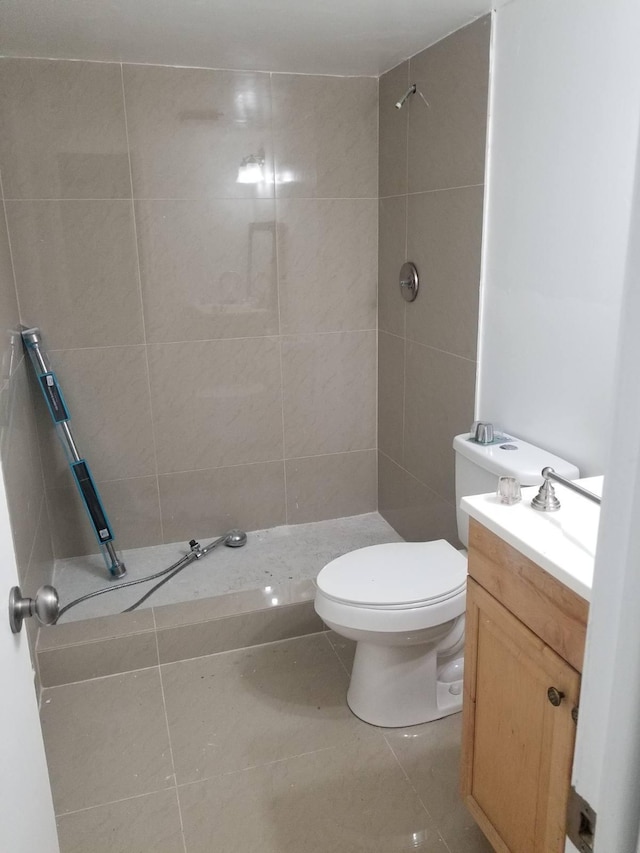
point(410, 91)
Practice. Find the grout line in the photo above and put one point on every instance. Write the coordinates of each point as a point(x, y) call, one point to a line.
point(11, 258)
point(406, 254)
point(258, 766)
point(209, 198)
point(219, 340)
point(335, 651)
point(99, 677)
point(115, 802)
point(443, 351)
point(240, 648)
point(413, 788)
point(33, 542)
point(234, 70)
point(217, 468)
point(276, 200)
point(434, 190)
point(92, 641)
point(392, 334)
point(413, 476)
point(377, 256)
point(140, 296)
point(166, 719)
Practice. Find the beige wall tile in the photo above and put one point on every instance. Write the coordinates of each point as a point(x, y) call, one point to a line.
point(445, 243)
point(327, 264)
point(236, 632)
point(391, 395)
point(95, 659)
point(107, 392)
point(208, 268)
point(329, 393)
point(150, 822)
point(394, 126)
point(190, 128)
point(439, 394)
point(132, 507)
point(208, 503)
point(216, 403)
point(392, 253)
point(416, 512)
point(62, 133)
point(124, 721)
point(10, 342)
point(325, 136)
point(76, 271)
point(447, 138)
point(40, 569)
point(322, 487)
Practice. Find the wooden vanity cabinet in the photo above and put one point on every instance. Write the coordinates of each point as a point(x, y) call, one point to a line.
point(525, 636)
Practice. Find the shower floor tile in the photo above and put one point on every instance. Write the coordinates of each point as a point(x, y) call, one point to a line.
point(274, 556)
point(267, 758)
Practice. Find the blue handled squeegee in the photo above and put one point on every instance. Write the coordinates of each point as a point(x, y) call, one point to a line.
point(82, 476)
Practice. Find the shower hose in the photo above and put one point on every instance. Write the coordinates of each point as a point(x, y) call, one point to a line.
point(233, 539)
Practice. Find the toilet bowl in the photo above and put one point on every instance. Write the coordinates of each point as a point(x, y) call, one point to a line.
point(403, 603)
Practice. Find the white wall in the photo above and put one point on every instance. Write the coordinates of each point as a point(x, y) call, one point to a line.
point(563, 128)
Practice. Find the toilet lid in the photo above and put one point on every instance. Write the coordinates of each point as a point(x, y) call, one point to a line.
point(395, 575)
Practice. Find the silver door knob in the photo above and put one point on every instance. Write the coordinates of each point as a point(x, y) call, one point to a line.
point(45, 607)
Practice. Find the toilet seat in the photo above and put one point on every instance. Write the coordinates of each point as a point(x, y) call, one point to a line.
point(395, 587)
point(395, 576)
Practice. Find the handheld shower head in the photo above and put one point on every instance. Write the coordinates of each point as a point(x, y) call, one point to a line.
point(410, 91)
point(235, 539)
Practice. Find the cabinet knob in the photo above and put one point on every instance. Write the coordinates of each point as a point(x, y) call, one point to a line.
point(555, 696)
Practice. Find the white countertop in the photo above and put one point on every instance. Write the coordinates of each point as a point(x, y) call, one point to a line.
point(563, 543)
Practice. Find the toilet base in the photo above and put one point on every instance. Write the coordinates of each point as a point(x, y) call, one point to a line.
point(395, 686)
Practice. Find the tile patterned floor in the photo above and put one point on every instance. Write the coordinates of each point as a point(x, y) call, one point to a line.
point(246, 751)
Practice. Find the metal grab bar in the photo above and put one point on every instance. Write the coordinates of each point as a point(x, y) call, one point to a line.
point(546, 500)
point(83, 478)
point(550, 474)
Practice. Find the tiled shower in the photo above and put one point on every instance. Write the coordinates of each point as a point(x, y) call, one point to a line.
point(238, 354)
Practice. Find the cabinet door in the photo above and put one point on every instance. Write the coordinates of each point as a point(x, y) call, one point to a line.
point(517, 746)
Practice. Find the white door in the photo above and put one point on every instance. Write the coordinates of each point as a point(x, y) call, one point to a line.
point(606, 769)
point(27, 822)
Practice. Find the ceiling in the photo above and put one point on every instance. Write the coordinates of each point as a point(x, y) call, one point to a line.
point(344, 37)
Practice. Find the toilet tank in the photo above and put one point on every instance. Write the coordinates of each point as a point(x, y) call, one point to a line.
point(478, 467)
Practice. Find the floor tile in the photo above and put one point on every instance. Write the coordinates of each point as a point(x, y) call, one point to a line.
point(106, 739)
point(249, 707)
point(430, 755)
point(349, 799)
point(345, 649)
point(139, 825)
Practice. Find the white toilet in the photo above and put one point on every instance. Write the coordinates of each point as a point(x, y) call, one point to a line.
point(403, 603)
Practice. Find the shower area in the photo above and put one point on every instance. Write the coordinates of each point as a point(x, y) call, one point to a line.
point(212, 259)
